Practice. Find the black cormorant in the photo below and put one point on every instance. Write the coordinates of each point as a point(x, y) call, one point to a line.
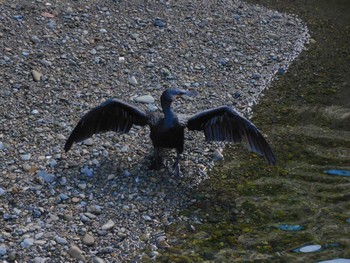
point(167, 131)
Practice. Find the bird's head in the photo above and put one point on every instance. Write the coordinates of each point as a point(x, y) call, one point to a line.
point(170, 95)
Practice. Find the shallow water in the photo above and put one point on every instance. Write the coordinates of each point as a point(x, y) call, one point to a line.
point(297, 211)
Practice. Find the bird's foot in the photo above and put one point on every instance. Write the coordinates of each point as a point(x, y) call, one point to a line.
point(156, 164)
point(176, 171)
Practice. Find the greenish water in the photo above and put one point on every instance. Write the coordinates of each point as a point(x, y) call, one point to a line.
point(306, 115)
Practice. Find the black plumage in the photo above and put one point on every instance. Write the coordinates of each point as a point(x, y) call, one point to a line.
point(218, 124)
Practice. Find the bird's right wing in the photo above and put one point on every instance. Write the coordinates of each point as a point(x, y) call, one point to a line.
point(226, 124)
point(112, 115)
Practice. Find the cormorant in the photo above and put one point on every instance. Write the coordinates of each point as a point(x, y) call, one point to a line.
point(218, 124)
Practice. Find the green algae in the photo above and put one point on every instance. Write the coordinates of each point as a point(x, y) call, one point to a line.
point(306, 114)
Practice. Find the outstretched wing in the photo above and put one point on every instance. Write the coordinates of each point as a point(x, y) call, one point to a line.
point(226, 124)
point(112, 115)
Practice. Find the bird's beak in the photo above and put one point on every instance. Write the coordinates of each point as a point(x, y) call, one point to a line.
point(186, 93)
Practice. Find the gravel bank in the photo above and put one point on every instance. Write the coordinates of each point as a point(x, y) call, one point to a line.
point(59, 59)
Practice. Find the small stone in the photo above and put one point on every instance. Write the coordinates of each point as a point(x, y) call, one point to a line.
point(147, 218)
point(256, 76)
point(159, 23)
point(51, 24)
point(46, 62)
point(3, 250)
point(103, 31)
point(39, 260)
point(144, 237)
point(2, 191)
point(26, 167)
point(2, 146)
point(48, 178)
point(40, 242)
point(132, 80)
point(90, 215)
point(88, 142)
point(61, 240)
point(145, 99)
point(97, 260)
point(61, 137)
point(94, 209)
point(63, 197)
point(88, 240)
point(75, 199)
point(25, 157)
point(35, 112)
point(152, 107)
point(217, 155)
point(310, 248)
point(68, 217)
point(35, 39)
point(87, 171)
point(163, 244)
point(109, 225)
point(76, 253)
point(27, 242)
point(82, 186)
point(36, 75)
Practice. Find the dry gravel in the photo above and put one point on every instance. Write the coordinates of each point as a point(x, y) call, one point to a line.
point(58, 59)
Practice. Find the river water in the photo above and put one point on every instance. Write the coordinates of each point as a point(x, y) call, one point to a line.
point(298, 210)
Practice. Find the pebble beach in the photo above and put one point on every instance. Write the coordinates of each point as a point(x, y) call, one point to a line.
point(58, 59)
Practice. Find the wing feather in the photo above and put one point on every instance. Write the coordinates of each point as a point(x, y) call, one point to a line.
point(226, 124)
point(112, 115)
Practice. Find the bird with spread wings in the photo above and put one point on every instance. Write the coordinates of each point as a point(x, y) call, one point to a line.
point(167, 131)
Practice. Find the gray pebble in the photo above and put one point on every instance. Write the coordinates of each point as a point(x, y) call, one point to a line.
point(25, 157)
point(94, 209)
point(2, 191)
point(132, 81)
point(145, 99)
point(61, 240)
point(47, 177)
point(76, 253)
point(36, 75)
point(97, 260)
point(109, 225)
point(26, 167)
point(3, 250)
point(88, 240)
point(27, 242)
point(217, 155)
point(39, 260)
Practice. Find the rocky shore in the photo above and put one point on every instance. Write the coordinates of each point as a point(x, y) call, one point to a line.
point(58, 59)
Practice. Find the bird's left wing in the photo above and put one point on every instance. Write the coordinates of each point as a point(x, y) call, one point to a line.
point(226, 124)
point(112, 115)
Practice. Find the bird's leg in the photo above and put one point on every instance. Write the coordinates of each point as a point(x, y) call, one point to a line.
point(176, 165)
point(157, 163)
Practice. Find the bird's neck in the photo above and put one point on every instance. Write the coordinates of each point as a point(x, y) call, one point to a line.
point(169, 116)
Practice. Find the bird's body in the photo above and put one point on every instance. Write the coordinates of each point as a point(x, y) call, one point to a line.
point(218, 124)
